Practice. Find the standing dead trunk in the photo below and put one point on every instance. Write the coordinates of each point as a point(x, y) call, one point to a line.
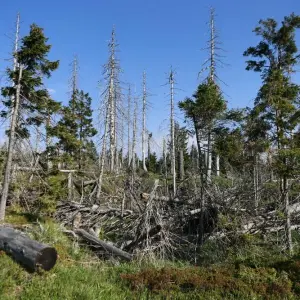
point(288, 229)
point(103, 154)
point(11, 144)
point(133, 153)
point(70, 186)
point(209, 158)
point(112, 101)
point(255, 180)
point(217, 165)
point(172, 130)
point(129, 122)
point(202, 182)
point(165, 166)
point(144, 123)
point(181, 164)
point(15, 63)
point(149, 148)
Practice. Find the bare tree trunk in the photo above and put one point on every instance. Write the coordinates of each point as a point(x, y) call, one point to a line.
point(122, 141)
point(15, 64)
point(255, 180)
point(212, 44)
point(144, 123)
point(34, 166)
point(217, 165)
point(149, 147)
point(133, 160)
point(48, 140)
point(74, 78)
point(209, 158)
point(16, 47)
point(181, 164)
point(11, 143)
point(165, 166)
point(112, 101)
point(112, 124)
point(202, 182)
point(288, 230)
point(103, 153)
point(70, 186)
point(129, 121)
point(172, 129)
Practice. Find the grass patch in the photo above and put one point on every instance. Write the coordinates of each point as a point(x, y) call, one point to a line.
point(78, 274)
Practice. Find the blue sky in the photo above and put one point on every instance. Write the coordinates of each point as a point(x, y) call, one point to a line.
point(153, 35)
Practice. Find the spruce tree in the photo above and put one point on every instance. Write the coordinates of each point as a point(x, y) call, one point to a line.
point(76, 129)
point(28, 92)
point(277, 102)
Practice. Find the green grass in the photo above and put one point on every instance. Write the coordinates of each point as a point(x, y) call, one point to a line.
point(78, 274)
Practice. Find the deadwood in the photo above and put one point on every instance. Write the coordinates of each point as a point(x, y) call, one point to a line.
point(110, 249)
point(29, 253)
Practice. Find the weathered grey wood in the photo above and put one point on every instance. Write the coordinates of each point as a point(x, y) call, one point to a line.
point(109, 248)
point(29, 253)
point(11, 145)
point(153, 231)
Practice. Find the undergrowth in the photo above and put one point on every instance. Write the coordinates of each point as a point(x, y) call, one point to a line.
point(79, 274)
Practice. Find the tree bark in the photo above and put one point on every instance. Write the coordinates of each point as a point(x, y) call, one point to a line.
point(181, 161)
point(103, 153)
point(109, 248)
point(29, 253)
point(133, 160)
point(144, 123)
point(172, 131)
point(129, 121)
point(217, 165)
point(11, 143)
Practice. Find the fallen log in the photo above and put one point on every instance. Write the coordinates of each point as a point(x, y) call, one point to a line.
point(29, 253)
point(153, 231)
point(107, 247)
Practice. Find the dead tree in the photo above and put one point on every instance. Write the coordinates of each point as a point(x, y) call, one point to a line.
point(212, 68)
point(103, 152)
point(15, 50)
point(11, 144)
point(128, 125)
point(149, 145)
point(144, 122)
point(29, 253)
point(181, 164)
point(74, 76)
point(110, 249)
point(165, 166)
point(172, 130)
point(112, 70)
point(211, 65)
point(134, 134)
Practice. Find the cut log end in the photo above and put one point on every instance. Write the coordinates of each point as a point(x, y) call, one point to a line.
point(46, 259)
point(27, 252)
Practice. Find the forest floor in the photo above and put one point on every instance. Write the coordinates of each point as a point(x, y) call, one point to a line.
point(78, 274)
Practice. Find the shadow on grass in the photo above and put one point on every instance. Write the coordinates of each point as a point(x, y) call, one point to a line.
point(21, 218)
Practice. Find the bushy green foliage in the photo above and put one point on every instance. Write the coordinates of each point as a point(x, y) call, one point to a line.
point(32, 56)
point(75, 130)
point(55, 190)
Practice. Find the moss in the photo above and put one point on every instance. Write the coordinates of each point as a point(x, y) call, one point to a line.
point(220, 280)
